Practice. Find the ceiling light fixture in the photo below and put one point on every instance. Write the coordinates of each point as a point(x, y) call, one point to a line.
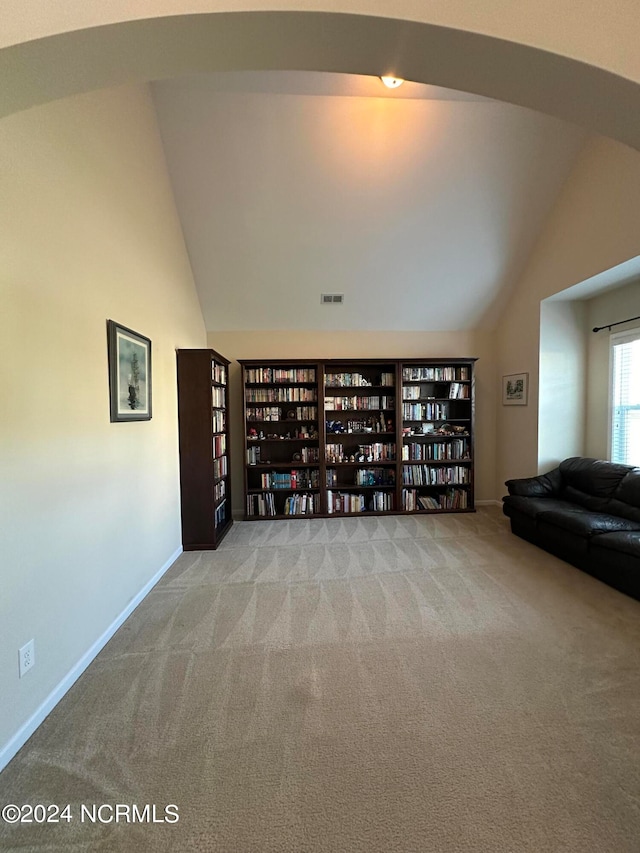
point(392, 82)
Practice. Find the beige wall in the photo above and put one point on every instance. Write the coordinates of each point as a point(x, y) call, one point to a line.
point(259, 344)
point(89, 509)
point(562, 382)
point(609, 307)
point(593, 227)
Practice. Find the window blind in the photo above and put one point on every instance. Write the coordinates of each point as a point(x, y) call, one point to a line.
point(625, 404)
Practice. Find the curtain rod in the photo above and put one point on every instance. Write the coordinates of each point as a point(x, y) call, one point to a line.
point(610, 325)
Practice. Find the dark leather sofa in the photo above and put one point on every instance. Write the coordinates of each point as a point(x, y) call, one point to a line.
point(587, 512)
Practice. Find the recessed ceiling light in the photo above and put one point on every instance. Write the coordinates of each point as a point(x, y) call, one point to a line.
point(392, 82)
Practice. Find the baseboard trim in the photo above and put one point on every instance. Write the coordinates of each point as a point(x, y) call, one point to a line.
point(23, 734)
point(488, 503)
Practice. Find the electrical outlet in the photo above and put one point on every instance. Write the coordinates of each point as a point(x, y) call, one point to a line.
point(26, 657)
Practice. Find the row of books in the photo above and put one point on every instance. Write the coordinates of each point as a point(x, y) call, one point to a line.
point(219, 490)
point(305, 454)
point(261, 505)
point(345, 502)
point(219, 420)
point(456, 391)
point(375, 477)
point(350, 380)
point(382, 501)
point(344, 404)
point(220, 467)
point(425, 411)
point(377, 452)
point(281, 395)
point(416, 451)
point(294, 479)
point(280, 374)
point(425, 475)
point(253, 455)
point(220, 515)
point(309, 454)
point(364, 477)
point(338, 502)
point(459, 391)
point(274, 413)
point(218, 397)
point(219, 373)
point(451, 499)
point(412, 392)
point(264, 505)
point(305, 504)
point(364, 426)
point(219, 445)
point(435, 374)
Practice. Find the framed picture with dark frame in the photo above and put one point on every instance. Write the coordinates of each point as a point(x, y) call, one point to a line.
point(129, 374)
point(515, 389)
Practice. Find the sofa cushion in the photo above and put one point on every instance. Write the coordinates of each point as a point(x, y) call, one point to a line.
point(593, 503)
point(583, 523)
point(626, 498)
point(545, 485)
point(532, 507)
point(627, 542)
point(590, 482)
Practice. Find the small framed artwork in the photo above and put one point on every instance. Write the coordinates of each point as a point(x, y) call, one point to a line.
point(515, 389)
point(129, 374)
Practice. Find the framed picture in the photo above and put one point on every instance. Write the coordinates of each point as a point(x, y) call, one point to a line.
point(515, 389)
point(129, 374)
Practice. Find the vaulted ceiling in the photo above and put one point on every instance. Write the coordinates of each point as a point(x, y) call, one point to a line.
point(420, 204)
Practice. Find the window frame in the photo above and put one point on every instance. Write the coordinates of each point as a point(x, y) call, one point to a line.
point(615, 339)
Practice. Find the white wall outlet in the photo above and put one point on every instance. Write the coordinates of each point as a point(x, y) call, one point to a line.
point(26, 657)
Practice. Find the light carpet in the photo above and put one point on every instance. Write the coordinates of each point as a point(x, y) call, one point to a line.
point(414, 684)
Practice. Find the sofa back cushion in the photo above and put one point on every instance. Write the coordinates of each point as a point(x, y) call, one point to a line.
point(591, 483)
point(626, 498)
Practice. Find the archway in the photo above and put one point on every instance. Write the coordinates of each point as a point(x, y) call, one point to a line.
point(45, 69)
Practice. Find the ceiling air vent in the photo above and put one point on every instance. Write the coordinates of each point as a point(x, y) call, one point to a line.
point(332, 298)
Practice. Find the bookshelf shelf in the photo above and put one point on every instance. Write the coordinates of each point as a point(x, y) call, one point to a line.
point(281, 384)
point(205, 482)
point(375, 462)
point(279, 489)
point(341, 487)
point(341, 435)
point(425, 408)
point(277, 440)
point(270, 466)
point(281, 421)
point(436, 461)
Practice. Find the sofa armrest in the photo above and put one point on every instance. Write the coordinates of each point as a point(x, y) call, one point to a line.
point(544, 486)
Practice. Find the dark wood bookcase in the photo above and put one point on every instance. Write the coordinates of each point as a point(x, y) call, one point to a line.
point(205, 481)
point(358, 437)
point(437, 443)
point(282, 414)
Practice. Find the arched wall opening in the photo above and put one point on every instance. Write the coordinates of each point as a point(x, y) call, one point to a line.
point(81, 60)
point(90, 232)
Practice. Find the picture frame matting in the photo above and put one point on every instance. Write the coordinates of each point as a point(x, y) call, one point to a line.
point(515, 389)
point(129, 357)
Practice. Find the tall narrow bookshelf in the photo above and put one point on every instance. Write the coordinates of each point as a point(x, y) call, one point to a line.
point(205, 482)
point(358, 437)
point(282, 474)
point(437, 435)
point(360, 409)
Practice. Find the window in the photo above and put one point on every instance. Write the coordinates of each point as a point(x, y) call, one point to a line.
point(625, 401)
